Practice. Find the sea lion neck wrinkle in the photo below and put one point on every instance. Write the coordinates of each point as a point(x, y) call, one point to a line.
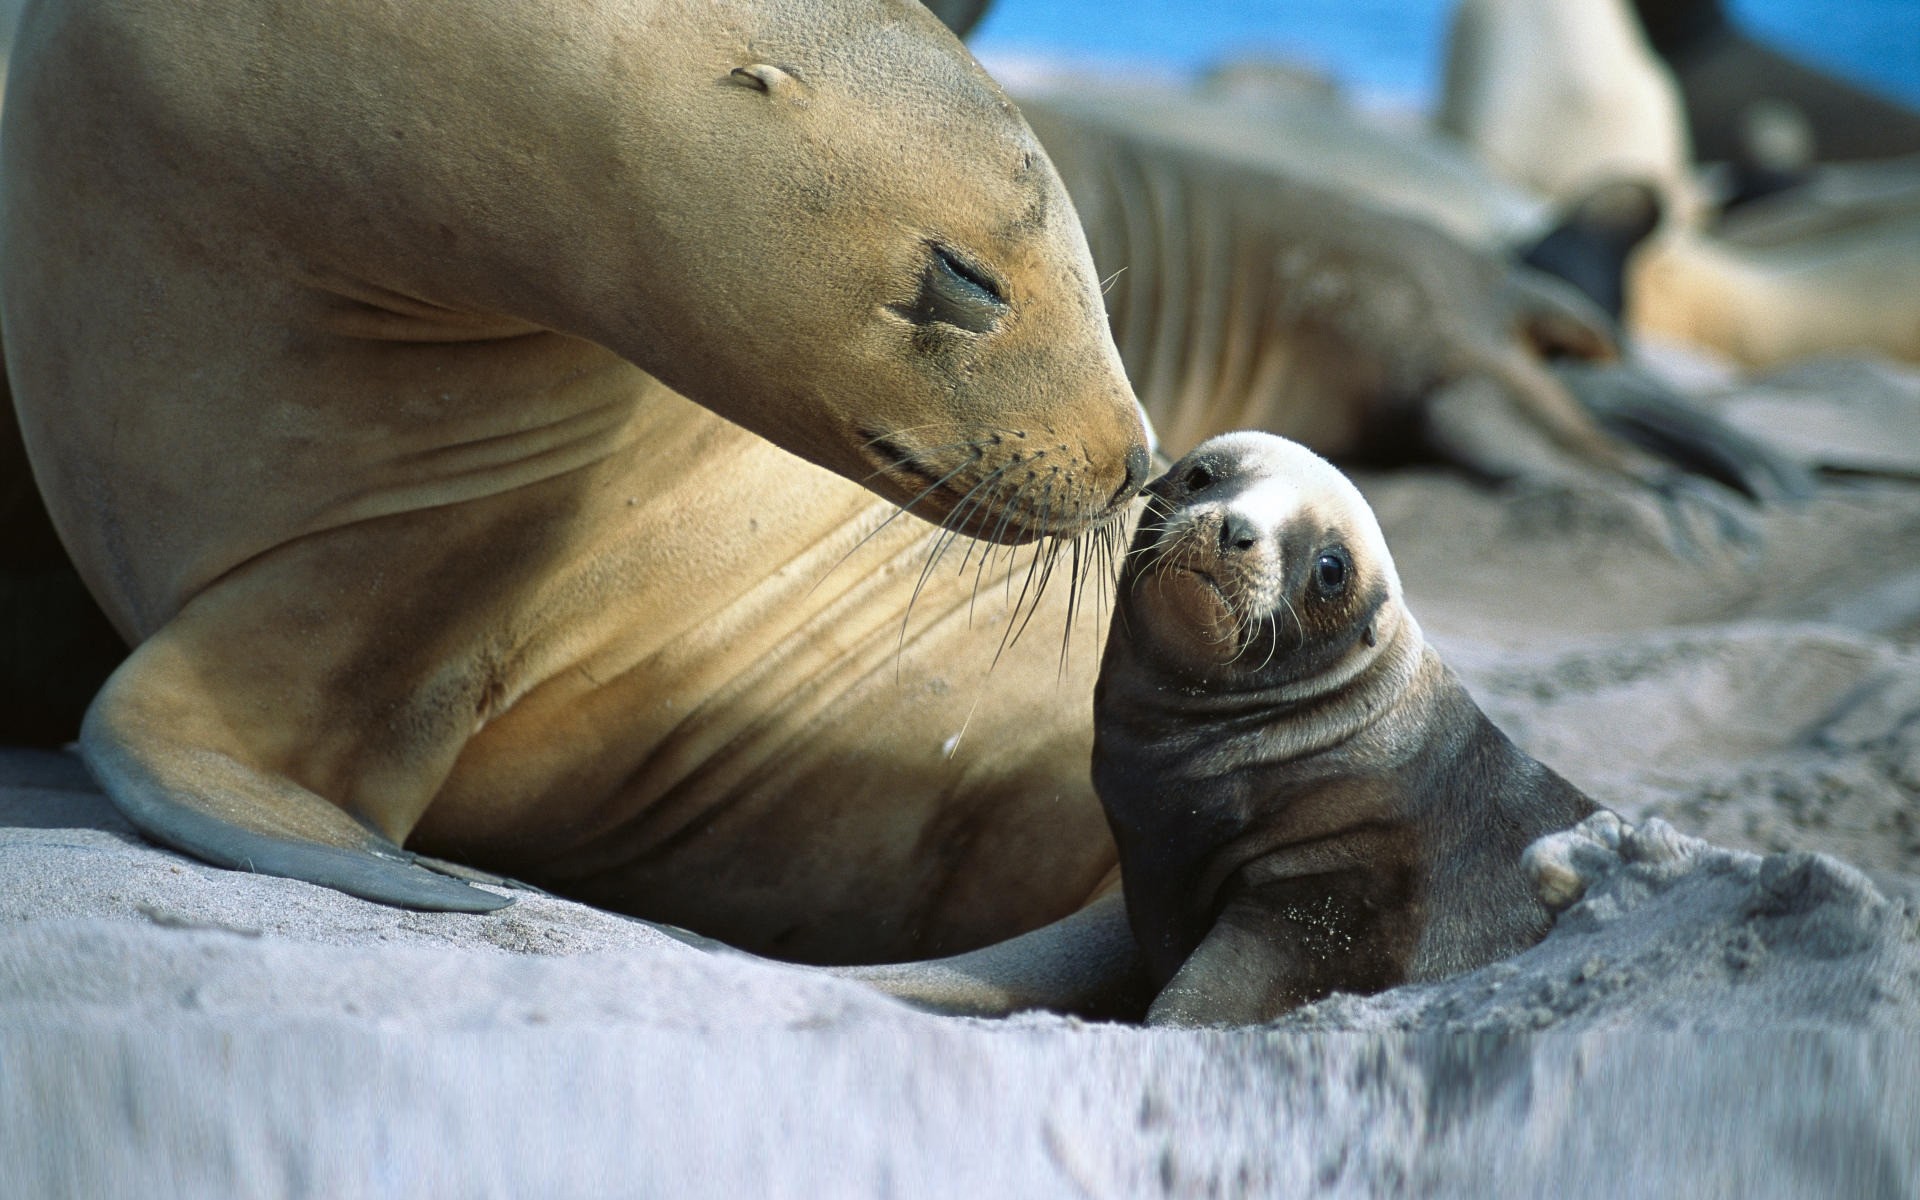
point(1289, 720)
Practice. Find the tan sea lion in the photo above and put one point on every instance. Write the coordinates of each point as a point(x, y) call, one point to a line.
point(1244, 295)
point(325, 329)
point(322, 331)
point(1839, 283)
point(1563, 98)
point(1304, 797)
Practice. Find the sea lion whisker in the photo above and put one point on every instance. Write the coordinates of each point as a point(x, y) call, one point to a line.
point(986, 547)
point(1299, 626)
point(890, 469)
point(1103, 572)
point(1013, 611)
point(1273, 640)
point(899, 511)
point(1040, 587)
point(1075, 596)
point(1241, 635)
point(950, 531)
point(987, 555)
point(1090, 550)
point(986, 503)
point(1155, 557)
point(890, 435)
point(1028, 585)
point(1098, 556)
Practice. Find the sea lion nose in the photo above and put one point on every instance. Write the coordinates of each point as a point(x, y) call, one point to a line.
point(1238, 534)
point(1139, 466)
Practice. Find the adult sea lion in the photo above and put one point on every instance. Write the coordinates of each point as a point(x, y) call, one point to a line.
point(1563, 98)
point(322, 327)
point(1835, 283)
point(1245, 295)
point(1304, 797)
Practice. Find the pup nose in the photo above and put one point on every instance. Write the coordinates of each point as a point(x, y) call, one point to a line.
point(1237, 533)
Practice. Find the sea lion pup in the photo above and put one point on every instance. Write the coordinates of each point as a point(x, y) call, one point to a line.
point(1304, 797)
point(463, 407)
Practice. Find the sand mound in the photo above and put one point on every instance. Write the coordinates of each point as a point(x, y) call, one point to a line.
point(1670, 932)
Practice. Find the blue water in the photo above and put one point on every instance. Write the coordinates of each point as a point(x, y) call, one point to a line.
point(1393, 47)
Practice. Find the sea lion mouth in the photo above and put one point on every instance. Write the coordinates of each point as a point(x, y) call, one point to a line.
point(1220, 593)
point(1231, 603)
point(1007, 486)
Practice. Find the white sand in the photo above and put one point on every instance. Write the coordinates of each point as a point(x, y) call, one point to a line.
point(1707, 1022)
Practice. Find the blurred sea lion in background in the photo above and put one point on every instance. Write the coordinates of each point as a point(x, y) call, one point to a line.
point(1835, 280)
point(1565, 97)
point(1734, 86)
point(1280, 263)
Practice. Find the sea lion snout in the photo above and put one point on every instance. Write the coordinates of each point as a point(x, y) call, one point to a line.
point(1139, 463)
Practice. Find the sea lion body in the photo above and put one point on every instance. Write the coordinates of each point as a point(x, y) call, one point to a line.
point(398, 375)
point(1247, 291)
point(1245, 296)
point(400, 379)
point(1563, 98)
point(1835, 283)
point(1725, 76)
point(1304, 798)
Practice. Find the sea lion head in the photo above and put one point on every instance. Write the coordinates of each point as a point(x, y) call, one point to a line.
point(875, 265)
point(1258, 636)
point(1256, 564)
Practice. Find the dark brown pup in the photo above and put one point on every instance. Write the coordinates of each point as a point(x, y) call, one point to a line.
point(1305, 798)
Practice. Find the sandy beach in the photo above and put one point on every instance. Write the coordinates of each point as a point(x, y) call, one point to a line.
point(1732, 1008)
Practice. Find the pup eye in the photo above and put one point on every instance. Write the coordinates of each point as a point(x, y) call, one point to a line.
point(1197, 478)
point(1330, 571)
point(953, 293)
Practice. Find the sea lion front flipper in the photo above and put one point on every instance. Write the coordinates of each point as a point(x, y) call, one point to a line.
point(1638, 408)
point(1511, 425)
point(169, 768)
point(1563, 395)
point(1086, 964)
point(1589, 244)
point(1276, 947)
point(1495, 433)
